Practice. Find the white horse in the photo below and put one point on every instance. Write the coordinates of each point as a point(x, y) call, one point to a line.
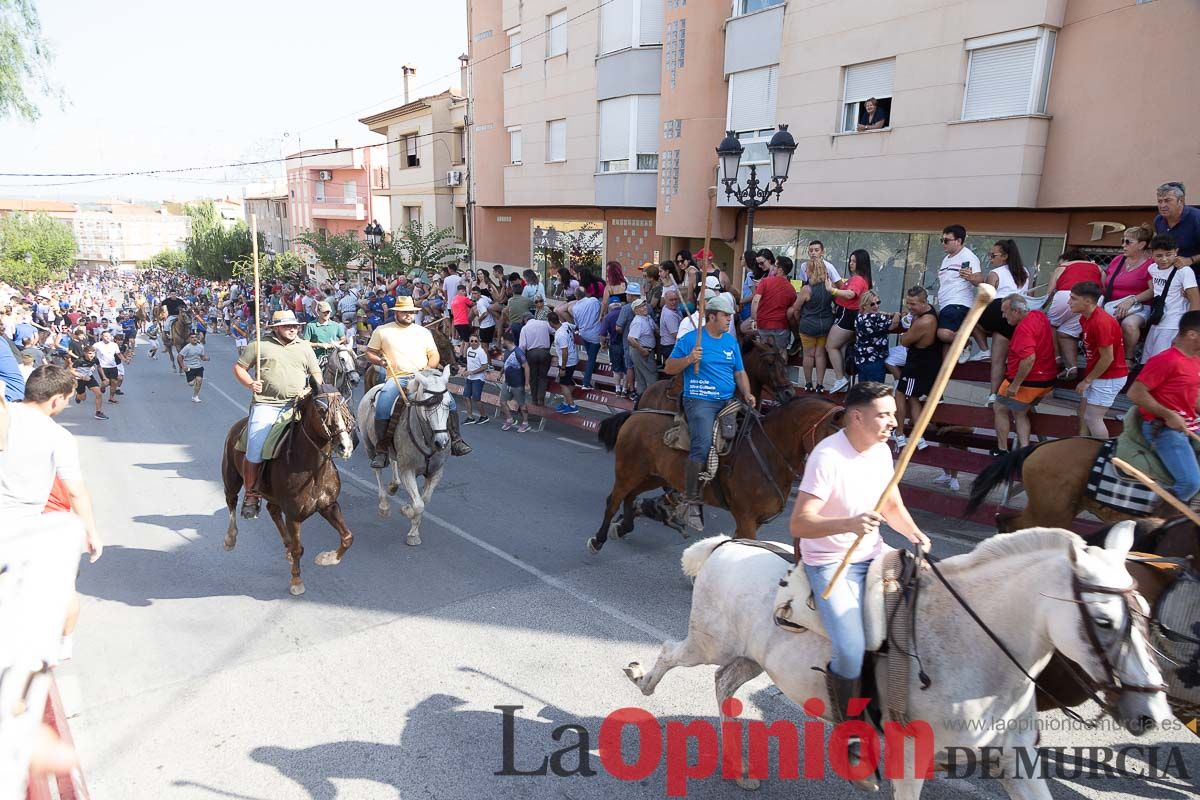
point(419, 446)
point(1039, 590)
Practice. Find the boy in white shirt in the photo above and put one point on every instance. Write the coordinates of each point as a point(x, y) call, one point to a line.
point(477, 367)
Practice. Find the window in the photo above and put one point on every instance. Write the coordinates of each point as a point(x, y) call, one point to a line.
point(865, 82)
point(408, 151)
point(629, 133)
point(630, 23)
point(556, 140)
point(412, 215)
point(460, 144)
point(514, 47)
point(349, 193)
point(460, 223)
point(514, 145)
point(752, 100)
point(556, 33)
point(1008, 74)
point(319, 191)
point(750, 6)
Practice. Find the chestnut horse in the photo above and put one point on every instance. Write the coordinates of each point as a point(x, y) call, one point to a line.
point(766, 367)
point(775, 445)
point(301, 480)
point(1176, 538)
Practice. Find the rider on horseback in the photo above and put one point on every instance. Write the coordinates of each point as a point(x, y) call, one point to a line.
point(706, 390)
point(173, 305)
point(288, 363)
point(401, 349)
point(327, 337)
point(844, 476)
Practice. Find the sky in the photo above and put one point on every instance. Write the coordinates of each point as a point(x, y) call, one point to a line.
point(168, 84)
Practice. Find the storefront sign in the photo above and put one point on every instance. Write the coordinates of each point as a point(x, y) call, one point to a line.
point(1102, 229)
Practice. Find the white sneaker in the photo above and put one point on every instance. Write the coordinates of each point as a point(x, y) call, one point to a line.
point(839, 385)
point(991, 398)
point(901, 442)
point(965, 355)
point(195, 399)
point(945, 477)
point(982, 355)
point(922, 444)
point(952, 484)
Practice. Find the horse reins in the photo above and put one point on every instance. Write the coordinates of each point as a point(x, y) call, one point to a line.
point(326, 454)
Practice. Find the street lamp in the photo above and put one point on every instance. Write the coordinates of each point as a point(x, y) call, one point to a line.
point(374, 234)
point(752, 195)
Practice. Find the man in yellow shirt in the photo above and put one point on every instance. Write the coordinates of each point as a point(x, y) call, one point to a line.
point(401, 349)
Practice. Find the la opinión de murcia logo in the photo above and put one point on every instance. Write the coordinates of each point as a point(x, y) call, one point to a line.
point(803, 751)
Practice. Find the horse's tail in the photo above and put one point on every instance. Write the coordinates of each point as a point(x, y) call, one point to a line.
point(1003, 470)
point(610, 427)
point(694, 557)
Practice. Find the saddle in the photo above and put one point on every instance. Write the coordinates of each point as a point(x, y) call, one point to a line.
point(1110, 487)
point(276, 437)
point(725, 430)
point(394, 418)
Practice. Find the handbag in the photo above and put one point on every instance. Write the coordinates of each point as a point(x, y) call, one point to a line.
point(1158, 308)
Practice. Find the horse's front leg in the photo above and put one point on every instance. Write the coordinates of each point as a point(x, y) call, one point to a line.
point(431, 484)
point(333, 515)
point(384, 508)
point(412, 510)
point(290, 534)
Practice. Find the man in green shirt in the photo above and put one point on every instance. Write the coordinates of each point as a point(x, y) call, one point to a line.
point(329, 340)
point(288, 363)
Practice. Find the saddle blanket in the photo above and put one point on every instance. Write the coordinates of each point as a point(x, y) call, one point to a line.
point(1107, 486)
point(276, 436)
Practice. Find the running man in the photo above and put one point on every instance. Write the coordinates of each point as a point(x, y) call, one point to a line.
point(191, 363)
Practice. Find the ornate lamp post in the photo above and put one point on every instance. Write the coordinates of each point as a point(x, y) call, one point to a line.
point(374, 234)
point(752, 195)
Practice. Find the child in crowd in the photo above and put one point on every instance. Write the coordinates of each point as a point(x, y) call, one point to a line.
point(516, 378)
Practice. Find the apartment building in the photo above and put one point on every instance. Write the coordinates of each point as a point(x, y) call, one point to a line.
point(1008, 118)
point(427, 146)
point(113, 234)
point(270, 212)
point(331, 190)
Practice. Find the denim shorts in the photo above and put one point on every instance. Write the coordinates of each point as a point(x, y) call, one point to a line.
point(473, 390)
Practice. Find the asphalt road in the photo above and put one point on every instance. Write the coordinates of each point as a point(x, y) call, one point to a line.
point(196, 674)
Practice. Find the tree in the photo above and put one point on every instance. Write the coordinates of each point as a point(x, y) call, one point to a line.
point(34, 248)
point(284, 266)
point(24, 58)
point(173, 260)
point(335, 252)
point(212, 250)
point(420, 247)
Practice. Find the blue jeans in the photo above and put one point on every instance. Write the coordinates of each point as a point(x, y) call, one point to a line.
point(841, 614)
point(701, 416)
point(390, 393)
point(593, 352)
point(1174, 449)
point(616, 357)
point(262, 418)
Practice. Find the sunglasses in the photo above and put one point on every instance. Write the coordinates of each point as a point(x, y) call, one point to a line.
point(1129, 241)
point(947, 240)
point(873, 305)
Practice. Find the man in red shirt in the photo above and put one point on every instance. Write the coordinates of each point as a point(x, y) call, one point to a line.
point(1029, 372)
point(1106, 372)
point(460, 313)
point(1166, 392)
point(773, 296)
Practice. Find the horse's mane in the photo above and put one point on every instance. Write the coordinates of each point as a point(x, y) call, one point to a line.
point(1030, 540)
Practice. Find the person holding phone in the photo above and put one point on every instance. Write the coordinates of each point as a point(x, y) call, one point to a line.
point(956, 291)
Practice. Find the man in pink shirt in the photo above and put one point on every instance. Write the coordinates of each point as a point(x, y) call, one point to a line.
point(843, 479)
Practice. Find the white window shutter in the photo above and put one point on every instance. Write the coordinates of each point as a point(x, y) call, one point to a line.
point(410, 145)
point(999, 81)
point(616, 26)
point(514, 146)
point(556, 33)
point(556, 148)
point(752, 99)
point(615, 118)
point(864, 81)
point(652, 21)
point(646, 137)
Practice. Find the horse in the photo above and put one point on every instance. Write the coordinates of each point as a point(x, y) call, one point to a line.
point(446, 357)
point(753, 482)
point(339, 369)
point(766, 366)
point(419, 445)
point(1073, 598)
point(301, 480)
point(177, 336)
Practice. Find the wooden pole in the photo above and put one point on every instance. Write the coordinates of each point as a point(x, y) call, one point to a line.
point(702, 279)
point(1153, 486)
point(257, 295)
point(984, 295)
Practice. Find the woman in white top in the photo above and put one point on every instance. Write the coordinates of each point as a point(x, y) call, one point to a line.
point(1009, 276)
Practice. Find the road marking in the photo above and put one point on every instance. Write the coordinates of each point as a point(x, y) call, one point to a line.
point(581, 444)
point(544, 577)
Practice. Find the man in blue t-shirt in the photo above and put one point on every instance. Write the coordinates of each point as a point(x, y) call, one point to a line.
point(1181, 221)
point(706, 390)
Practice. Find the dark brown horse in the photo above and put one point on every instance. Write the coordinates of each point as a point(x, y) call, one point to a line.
point(177, 336)
point(301, 480)
point(446, 356)
point(777, 446)
point(1176, 538)
point(766, 367)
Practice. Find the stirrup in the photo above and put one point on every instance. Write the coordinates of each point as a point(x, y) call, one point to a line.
point(380, 460)
point(693, 517)
point(251, 505)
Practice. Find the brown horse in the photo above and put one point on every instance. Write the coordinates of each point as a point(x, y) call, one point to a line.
point(1054, 475)
point(1176, 538)
point(776, 445)
point(301, 480)
point(446, 356)
point(177, 336)
point(766, 367)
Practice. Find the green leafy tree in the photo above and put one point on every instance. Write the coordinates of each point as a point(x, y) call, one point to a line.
point(335, 252)
point(285, 266)
point(420, 248)
point(212, 250)
point(34, 248)
point(174, 260)
point(24, 59)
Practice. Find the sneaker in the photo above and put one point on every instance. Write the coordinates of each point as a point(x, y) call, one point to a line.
point(991, 398)
point(587, 386)
point(563, 408)
point(571, 409)
point(470, 421)
point(996, 452)
point(982, 355)
point(922, 444)
point(524, 428)
point(195, 399)
point(964, 356)
point(482, 420)
point(839, 385)
point(953, 485)
point(945, 477)
point(508, 425)
point(100, 415)
point(901, 441)
point(119, 391)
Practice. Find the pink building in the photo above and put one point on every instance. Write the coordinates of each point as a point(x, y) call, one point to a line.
point(330, 190)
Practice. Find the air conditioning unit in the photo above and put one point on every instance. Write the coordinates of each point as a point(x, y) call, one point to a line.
point(325, 175)
point(454, 177)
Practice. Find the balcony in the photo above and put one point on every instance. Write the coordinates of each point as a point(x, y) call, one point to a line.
point(339, 209)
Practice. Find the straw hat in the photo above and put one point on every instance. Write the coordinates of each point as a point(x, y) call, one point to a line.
point(403, 303)
point(280, 318)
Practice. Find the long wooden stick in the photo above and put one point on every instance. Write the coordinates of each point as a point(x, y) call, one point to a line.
point(1153, 486)
point(257, 308)
point(984, 295)
point(702, 279)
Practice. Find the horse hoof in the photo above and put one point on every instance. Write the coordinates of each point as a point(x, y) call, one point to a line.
point(615, 532)
point(297, 588)
point(412, 541)
point(327, 559)
point(393, 488)
point(229, 545)
point(634, 672)
point(385, 511)
point(593, 546)
point(749, 784)
point(407, 511)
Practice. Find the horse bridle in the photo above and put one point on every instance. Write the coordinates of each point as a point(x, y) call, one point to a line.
point(432, 401)
point(1133, 616)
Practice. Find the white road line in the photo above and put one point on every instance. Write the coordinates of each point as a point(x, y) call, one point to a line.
point(568, 440)
point(544, 577)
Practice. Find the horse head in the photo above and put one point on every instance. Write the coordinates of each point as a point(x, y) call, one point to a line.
point(446, 354)
point(432, 395)
point(766, 365)
point(332, 422)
